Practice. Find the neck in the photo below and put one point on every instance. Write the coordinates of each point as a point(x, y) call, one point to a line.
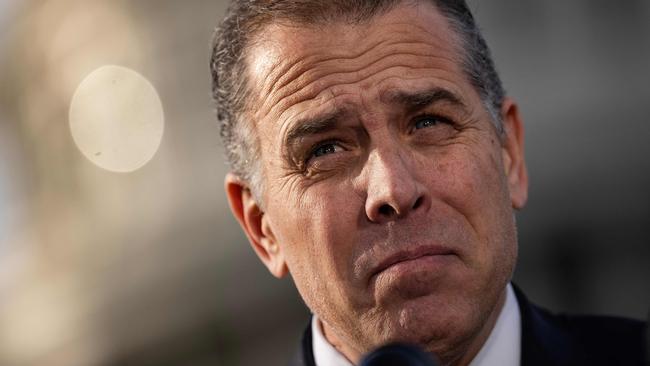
point(467, 353)
point(461, 355)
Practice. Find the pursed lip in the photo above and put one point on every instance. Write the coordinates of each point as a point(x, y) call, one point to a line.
point(407, 255)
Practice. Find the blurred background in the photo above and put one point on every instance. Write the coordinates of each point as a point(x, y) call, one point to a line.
point(147, 267)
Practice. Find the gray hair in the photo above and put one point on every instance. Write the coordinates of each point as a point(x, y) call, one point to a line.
point(245, 19)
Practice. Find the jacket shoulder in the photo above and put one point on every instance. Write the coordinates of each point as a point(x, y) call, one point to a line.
point(561, 339)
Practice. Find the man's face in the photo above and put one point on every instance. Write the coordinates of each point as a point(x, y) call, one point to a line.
point(387, 191)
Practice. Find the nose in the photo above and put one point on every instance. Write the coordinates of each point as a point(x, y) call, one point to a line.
point(393, 190)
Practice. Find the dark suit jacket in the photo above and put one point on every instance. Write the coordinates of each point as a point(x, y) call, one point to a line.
point(554, 340)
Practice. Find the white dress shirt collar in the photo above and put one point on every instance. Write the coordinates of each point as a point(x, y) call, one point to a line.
point(503, 346)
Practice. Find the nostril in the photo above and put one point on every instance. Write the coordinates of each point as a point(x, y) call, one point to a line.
point(418, 203)
point(386, 210)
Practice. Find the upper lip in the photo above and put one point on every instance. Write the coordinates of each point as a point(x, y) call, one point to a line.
point(406, 255)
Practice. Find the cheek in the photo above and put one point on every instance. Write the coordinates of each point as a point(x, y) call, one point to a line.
point(473, 183)
point(317, 233)
point(493, 218)
point(468, 180)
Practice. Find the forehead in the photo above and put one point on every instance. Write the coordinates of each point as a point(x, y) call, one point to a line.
point(296, 68)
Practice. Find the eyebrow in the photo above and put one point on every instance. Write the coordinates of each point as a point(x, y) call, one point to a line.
point(312, 126)
point(420, 99)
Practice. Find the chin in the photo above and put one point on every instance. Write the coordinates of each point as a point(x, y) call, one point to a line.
point(438, 325)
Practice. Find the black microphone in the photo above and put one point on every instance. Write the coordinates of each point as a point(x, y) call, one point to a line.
point(399, 354)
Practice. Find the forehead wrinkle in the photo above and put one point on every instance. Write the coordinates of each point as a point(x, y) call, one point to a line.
point(310, 66)
point(402, 28)
point(445, 40)
point(282, 76)
point(302, 66)
point(393, 84)
point(314, 72)
point(362, 74)
point(293, 70)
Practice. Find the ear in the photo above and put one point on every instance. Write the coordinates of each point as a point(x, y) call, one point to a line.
point(513, 153)
point(255, 224)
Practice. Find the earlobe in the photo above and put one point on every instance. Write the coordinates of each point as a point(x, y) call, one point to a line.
point(513, 154)
point(256, 226)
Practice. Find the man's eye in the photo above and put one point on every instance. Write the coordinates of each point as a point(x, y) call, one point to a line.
point(427, 121)
point(325, 149)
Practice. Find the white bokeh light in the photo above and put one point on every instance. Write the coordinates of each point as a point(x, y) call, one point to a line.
point(116, 118)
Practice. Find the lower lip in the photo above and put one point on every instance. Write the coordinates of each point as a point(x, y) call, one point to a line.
point(427, 263)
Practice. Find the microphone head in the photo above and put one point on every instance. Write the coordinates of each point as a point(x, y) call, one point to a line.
point(399, 354)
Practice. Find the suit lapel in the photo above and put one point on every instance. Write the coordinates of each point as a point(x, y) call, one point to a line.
point(304, 355)
point(543, 343)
